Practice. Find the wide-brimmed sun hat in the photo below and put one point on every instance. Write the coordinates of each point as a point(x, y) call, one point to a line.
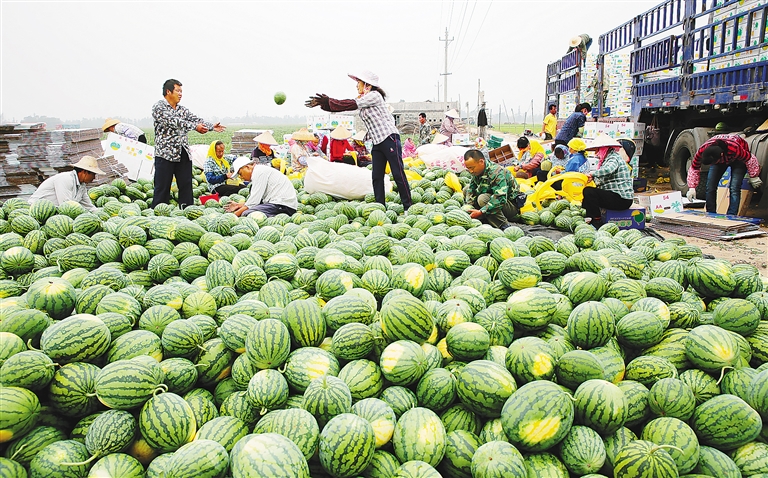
point(109, 123)
point(603, 140)
point(452, 113)
point(266, 138)
point(341, 133)
point(439, 139)
point(366, 77)
point(238, 164)
point(578, 39)
point(303, 135)
point(359, 136)
point(89, 163)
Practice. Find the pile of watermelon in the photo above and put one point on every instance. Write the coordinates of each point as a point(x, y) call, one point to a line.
point(351, 339)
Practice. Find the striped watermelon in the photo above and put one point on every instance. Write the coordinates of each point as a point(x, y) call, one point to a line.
point(28, 369)
point(671, 397)
point(166, 421)
point(306, 364)
point(296, 424)
point(406, 318)
point(519, 272)
point(19, 413)
point(725, 422)
point(641, 458)
point(24, 449)
point(403, 362)
point(363, 377)
point(345, 309)
point(711, 348)
point(714, 462)
point(125, 384)
point(436, 389)
point(52, 295)
point(737, 315)
point(267, 454)
point(347, 444)
point(381, 417)
point(530, 358)
point(110, 432)
point(497, 458)
point(590, 324)
point(305, 322)
point(50, 461)
point(537, 416)
point(531, 308)
point(601, 406)
point(77, 338)
point(576, 367)
point(484, 387)
point(267, 390)
point(582, 450)
point(268, 343)
point(181, 338)
point(200, 458)
point(419, 435)
point(133, 344)
point(224, 430)
point(72, 387)
point(710, 278)
point(675, 432)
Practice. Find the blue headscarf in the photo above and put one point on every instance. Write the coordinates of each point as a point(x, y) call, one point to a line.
point(557, 161)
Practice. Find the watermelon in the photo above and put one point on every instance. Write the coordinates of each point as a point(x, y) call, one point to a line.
point(641, 458)
point(76, 338)
point(726, 422)
point(267, 454)
point(582, 450)
point(296, 424)
point(484, 387)
point(537, 416)
point(675, 432)
point(52, 295)
point(347, 444)
point(19, 413)
point(166, 421)
point(497, 458)
point(419, 435)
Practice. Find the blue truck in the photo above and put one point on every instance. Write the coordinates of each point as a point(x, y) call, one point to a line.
point(694, 68)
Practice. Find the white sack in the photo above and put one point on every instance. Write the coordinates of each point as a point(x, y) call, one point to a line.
point(199, 154)
point(339, 180)
point(441, 156)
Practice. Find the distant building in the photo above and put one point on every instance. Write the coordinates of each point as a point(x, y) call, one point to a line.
point(407, 112)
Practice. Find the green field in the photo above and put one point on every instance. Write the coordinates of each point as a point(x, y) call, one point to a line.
point(226, 136)
point(516, 128)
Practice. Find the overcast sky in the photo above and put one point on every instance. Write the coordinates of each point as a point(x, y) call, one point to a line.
point(75, 60)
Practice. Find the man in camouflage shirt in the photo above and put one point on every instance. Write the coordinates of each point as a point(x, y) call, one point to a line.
point(492, 191)
point(425, 130)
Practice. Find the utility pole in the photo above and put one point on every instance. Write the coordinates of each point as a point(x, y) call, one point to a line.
point(445, 73)
point(438, 92)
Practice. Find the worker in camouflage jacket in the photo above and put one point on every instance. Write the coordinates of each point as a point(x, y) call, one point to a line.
point(492, 193)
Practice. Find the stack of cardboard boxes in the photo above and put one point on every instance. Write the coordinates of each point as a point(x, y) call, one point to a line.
point(618, 81)
point(725, 33)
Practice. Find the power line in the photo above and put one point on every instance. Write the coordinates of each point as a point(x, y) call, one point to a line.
point(460, 36)
point(469, 52)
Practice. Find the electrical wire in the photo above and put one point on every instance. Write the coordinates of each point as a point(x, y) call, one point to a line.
point(459, 35)
point(466, 34)
point(469, 52)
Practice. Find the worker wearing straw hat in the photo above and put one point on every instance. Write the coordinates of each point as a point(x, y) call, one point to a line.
point(339, 145)
point(613, 179)
point(263, 153)
point(448, 127)
point(382, 132)
point(582, 43)
point(299, 151)
point(70, 185)
point(112, 125)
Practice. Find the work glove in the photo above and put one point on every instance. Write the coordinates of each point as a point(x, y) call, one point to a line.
point(691, 194)
point(756, 183)
point(318, 100)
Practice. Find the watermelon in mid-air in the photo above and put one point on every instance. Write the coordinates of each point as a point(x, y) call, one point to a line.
point(279, 97)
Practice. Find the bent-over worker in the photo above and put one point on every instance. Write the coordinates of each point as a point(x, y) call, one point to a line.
point(70, 185)
point(271, 191)
point(492, 192)
point(112, 125)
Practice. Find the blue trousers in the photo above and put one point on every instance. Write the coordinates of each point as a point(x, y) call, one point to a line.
point(716, 171)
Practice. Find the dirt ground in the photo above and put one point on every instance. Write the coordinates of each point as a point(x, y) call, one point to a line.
point(752, 250)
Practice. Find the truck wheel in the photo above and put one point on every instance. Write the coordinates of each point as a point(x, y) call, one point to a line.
point(680, 160)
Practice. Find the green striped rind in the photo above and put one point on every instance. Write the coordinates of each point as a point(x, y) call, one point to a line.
point(117, 465)
point(648, 369)
point(483, 386)
point(716, 463)
point(703, 385)
point(326, 397)
point(582, 450)
point(353, 341)
point(12, 468)
point(613, 444)
point(639, 329)
point(203, 408)
point(601, 406)
point(590, 324)
point(267, 390)
point(628, 291)
point(459, 417)
point(529, 359)
point(664, 288)
point(710, 278)
point(27, 324)
point(493, 430)
point(267, 454)
point(207, 458)
point(125, 384)
point(121, 303)
point(671, 397)
point(157, 317)
point(198, 303)
point(672, 347)
point(411, 277)
point(460, 446)
point(296, 424)
point(219, 273)
point(135, 343)
point(305, 322)
point(49, 461)
point(403, 362)
point(88, 298)
point(76, 338)
point(363, 377)
point(28, 369)
point(381, 417)
point(70, 391)
point(236, 404)
point(752, 459)
point(758, 394)
point(436, 389)
point(518, 272)
point(610, 355)
point(531, 308)
point(167, 422)
point(234, 330)
point(382, 465)
point(675, 432)
point(214, 362)
point(467, 341)
point(419, 435)
point(537, 416)
point(110, 432)
point(545, 465)
point(711, 348)
point(585, 287)
point(500, 328)
point(737, 315)
point(308, 363)
point(346, 309)
point(497, 459)
point(181, 338)
point(53, 295)
point(19, 413)
point(725, 422)
point(225, 430)
point(24, 448)
point(268, 344)
point(644, 458)
point(406, 318)
point(180, 374)
point(346, 446)
point(577, 366)
point(416, 469)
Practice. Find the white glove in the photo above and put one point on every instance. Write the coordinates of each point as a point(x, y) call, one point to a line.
point(691, 194)
point(756, 183)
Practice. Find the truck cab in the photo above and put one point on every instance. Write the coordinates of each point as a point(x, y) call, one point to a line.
point(678, 70)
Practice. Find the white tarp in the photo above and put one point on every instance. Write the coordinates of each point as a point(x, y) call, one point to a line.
point(339, 180)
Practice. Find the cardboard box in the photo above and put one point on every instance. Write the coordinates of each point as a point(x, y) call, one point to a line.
point(632, 218)
point(461, 139)
point(640, 185)
point(656, 204)
point(502, 154)
point(724, 194)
